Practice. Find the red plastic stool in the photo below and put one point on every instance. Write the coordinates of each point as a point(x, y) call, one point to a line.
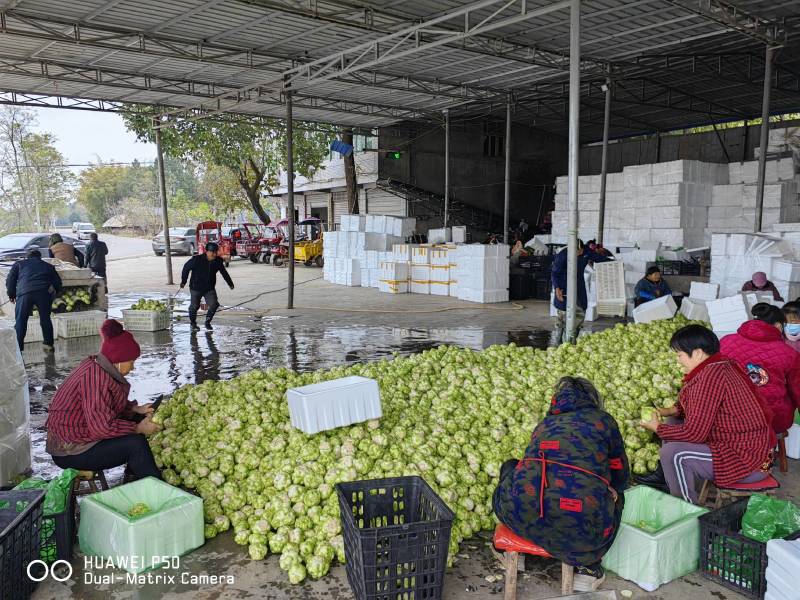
point(512, 546)
point(738, 490)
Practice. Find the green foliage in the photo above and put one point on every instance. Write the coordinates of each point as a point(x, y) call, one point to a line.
point(253, 151)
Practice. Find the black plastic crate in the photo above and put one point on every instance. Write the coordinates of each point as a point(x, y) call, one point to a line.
point(58, 532)
point(19, 541)
point(520, 287)
point(730, 558)
point(396, 538)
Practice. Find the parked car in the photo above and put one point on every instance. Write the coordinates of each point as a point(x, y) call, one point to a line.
point(181, 241)
point(16, 245)
point(85, 230)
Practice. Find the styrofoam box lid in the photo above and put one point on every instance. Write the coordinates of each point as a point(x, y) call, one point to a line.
point(784, 552)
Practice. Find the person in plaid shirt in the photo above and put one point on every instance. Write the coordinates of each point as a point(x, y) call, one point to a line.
point(91, 424)
point(725, 435)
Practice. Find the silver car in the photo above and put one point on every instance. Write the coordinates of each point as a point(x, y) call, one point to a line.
point(181, 241)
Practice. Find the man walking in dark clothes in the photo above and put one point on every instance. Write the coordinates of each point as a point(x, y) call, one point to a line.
point(203, 269)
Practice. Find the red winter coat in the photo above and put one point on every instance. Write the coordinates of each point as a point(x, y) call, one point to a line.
point(772, 365)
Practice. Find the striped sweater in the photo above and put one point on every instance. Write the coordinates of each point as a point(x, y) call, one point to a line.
point(723, 411)
point(89, 407)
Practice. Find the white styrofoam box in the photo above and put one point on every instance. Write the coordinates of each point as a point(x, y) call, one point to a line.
point(694, 309)
point(703, 291)
point(439, 256)
point(380, 242)
point(482, 296)
point(364, 277)
point(487, 274)
point(421, 255)
point(400, 226)
point(14, 395)
point(633, 277)
point(394, 271)
point(420, 273)
point(374, 277)
point(453, 289)
point(347, 265)
point(335, 403)
point(440, 236)
point(15, 455)
point(379, 224)
point(353, 222)
point(369, 225)
point(784, 553)
point(420, 287)
point(637, 176)
point(483, 251)
point(440, 288)
point(730, 311)
point(780, 582)
point(660, 308)
point(402, 252)
point(789, 290)
point(459, 234)
point(793, 445)
point(689, 171)
point(393, 286)
point(349, 278)
point(787, 270)
point(372, 260)
point(439, 273)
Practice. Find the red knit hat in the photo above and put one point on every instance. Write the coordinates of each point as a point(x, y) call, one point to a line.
point(118, 345)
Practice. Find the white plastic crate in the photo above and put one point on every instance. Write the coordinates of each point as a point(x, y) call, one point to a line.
point(79, 324)
point(336, 403)
point(610, 281)
point(146, 320)
point(660, 308)
point(611, 308)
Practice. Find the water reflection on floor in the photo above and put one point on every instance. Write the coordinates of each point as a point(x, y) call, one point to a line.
point(173, 358)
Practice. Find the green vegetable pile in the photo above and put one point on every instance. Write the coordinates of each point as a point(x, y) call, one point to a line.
point(450, 415)
point(144, 304)
point(138, 510)
point(70, 299)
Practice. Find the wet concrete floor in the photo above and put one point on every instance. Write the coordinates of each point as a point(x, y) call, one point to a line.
point(241, 342)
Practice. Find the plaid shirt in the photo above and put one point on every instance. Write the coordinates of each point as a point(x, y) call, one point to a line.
point(88, 407)
point(723, 411)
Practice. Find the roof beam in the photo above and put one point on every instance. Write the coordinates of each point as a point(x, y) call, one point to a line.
point(771, 33)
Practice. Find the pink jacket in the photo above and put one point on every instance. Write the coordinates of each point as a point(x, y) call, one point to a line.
point(772, 365)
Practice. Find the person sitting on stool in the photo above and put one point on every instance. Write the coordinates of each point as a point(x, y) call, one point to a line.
point(91, 423)
point(760, 283)
point(33, 283)
point(650, 287)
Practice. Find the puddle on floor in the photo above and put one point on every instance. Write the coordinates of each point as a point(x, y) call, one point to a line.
point(173, 358)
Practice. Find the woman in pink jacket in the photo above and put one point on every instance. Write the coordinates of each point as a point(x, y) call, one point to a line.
point(759, 348)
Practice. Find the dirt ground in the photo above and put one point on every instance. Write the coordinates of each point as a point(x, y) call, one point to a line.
point(330, 325)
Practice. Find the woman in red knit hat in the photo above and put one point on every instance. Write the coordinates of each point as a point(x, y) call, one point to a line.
point(90, 425)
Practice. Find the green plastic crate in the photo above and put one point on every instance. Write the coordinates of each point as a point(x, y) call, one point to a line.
point(174, 526)
point(658, 540)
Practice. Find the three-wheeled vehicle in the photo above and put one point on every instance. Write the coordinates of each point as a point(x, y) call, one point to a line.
point(270, 240)
point(249, 243)
point(211, 231)
point(307, 245)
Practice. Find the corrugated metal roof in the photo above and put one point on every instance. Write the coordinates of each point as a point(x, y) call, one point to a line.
point(672, 66)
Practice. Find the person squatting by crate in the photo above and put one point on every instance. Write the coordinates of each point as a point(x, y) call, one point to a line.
point(203, 269)
point(92, 425)
point(565, 494)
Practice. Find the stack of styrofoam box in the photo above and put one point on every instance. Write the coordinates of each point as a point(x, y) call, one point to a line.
point(663, 202)
point(421, 269)
point(635, 261)
point(440, 271)
point(747, 172)
point(399, 226)
point(736, 256)
point(394, 277)
point(483, 273)
point(783, 564)
point(694, 306)
point(733, 206)
point(15, 438)
point(353, 223)
point(727, 314)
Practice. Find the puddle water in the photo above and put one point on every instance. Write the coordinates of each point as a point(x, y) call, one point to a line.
point(173, 358)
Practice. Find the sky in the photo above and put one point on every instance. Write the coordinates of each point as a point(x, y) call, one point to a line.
point(87, 137)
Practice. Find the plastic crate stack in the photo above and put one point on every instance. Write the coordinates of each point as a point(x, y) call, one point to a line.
point(15, 438)
point(353, 254)
point(610, 288)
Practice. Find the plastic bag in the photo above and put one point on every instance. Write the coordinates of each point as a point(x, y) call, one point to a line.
point(769, 518)
point(55, 500)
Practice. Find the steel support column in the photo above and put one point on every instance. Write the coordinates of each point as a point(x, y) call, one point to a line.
point(574, 165)
point(764, 143)
point(162, 190)
point(290, 191)
point(446, 166)
point(604, 164)
point(507, 188)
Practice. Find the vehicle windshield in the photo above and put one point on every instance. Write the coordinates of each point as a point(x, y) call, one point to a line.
point(85, 227)
point(14, 242)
